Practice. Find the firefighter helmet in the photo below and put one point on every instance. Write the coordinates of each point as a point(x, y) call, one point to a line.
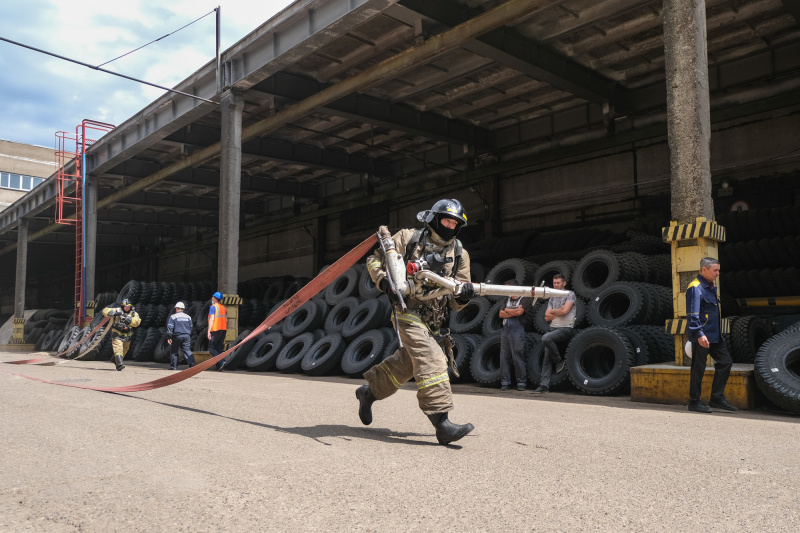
point(447, 208)
point(126, 303)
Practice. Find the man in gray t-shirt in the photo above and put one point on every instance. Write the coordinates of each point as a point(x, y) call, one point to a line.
point(560, 313)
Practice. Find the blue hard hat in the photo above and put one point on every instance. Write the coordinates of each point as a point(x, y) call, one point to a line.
point(218, 295)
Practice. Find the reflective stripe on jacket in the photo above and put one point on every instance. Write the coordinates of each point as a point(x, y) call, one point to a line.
point(217, 318)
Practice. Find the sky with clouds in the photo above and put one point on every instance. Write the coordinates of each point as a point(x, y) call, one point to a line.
point(40, 94)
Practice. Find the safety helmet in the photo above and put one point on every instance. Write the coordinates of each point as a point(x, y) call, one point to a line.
point(447, 208)
point(217, 295)
point(180, 305)
point(126, 303)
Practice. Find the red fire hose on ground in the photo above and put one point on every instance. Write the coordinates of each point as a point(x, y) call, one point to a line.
point(303, 295)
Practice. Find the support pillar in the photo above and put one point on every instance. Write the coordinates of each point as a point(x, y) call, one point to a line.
point(21, 280)
point(230, 187)
point(689, 133)
point(90, 246)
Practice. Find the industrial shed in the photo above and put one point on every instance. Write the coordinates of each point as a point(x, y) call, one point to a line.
point(556, 123)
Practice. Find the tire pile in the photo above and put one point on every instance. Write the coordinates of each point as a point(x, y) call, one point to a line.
point(760, 259)
point(622, 303)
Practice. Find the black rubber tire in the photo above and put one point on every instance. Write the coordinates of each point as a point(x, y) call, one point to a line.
point(599, 361)
point(147, 348)
point(777, 369)
point(470, 318)
point(364, 352)
point(307, 317)
point(343, 287)
point(324, 356)
point(45, 340)
point(370, 314)
point(618, 304)
point(68, 338)
point(275, 290)
point(462, 353)
point(641, 349)
point(290, 358)
point(485, 363)
point(492, 323)
point(132, 291)
point(517, 269)
point(264, 352)
point(366, 288)
point(534, 357)
point(339, 314)
point(595, 272)
point(161, 353)
point(201, 341)
point(747, 335)
point(239, 355)
point(540, 325)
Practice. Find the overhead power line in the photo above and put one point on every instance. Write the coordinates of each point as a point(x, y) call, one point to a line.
point(104, 70)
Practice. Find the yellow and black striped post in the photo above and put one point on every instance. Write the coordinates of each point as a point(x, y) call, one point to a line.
point(18, 335)
point(90, 309)
point(231, 303)
point(690, 243)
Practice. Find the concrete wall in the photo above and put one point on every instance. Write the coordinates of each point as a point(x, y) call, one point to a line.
point(37, 161)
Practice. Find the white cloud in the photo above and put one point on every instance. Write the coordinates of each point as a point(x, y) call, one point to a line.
point(44, 94)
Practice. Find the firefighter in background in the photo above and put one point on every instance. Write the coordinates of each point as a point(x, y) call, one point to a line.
point(123, 320)
point(217, 327)
point(179, 331)
point(421, 356)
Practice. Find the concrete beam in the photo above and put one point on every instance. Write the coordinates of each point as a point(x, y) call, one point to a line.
point(365, 108)
point(230, 192)
point(688, 109)
point(509, 47)
point(22, 268)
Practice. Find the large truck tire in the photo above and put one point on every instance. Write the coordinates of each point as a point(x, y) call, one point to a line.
point(599, 361)
point(777, 369)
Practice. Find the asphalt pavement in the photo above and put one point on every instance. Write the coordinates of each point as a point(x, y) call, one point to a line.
point(241, 451)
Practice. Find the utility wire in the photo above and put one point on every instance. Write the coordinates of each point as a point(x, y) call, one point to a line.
point(156, 40)
point(106, 71)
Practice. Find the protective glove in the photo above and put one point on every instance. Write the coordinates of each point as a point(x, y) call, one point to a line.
point(126, 319)
point(114, 312)
point(387, 290)
point(466, 294)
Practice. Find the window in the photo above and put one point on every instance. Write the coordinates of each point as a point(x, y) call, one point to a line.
point(17, 181)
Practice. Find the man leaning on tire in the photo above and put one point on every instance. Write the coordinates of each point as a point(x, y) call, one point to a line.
point(561, 314)
point(705, 333)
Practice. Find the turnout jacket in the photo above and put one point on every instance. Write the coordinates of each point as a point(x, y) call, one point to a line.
point(120, 330)
point(179, 324)
point(433, 312)
point(702, 311)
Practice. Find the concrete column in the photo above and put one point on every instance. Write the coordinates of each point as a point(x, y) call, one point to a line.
point(22, 267)
point(230, 191)
point(688, 119)
point(90, 244)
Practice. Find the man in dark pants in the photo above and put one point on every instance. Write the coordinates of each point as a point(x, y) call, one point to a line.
point(512, 341)
point(561, 314)
point(705, 333)
point(179, 329)
point(217, 327)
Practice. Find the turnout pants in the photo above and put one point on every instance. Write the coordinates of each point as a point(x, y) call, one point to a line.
point(722, 369)
point(120, 346)
point(551, 353)
point(420, 358)
point(180, 342)
point(512, 347)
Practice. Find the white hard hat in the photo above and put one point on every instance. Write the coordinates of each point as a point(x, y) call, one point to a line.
point(688, 348)
point(180, 305)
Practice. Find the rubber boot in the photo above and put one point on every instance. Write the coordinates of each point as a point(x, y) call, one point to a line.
point(365, 401)
point(446, 431)
point(118, 362)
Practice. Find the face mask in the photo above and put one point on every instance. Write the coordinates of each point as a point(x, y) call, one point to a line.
point(445, 233)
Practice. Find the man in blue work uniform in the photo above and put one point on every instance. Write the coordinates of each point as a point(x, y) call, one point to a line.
point(704, 331)
point(179, 329)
